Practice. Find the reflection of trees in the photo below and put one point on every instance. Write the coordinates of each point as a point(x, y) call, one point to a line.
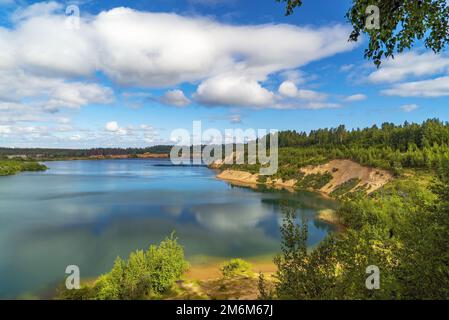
point(323, 225)
point(303, 199)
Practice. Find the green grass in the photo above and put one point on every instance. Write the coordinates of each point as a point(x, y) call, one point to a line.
point(10, 167)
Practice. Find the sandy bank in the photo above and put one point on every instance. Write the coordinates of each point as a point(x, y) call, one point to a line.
point(342, 171)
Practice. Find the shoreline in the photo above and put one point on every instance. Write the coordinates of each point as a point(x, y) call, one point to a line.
point(238, 178)
point(246, 179)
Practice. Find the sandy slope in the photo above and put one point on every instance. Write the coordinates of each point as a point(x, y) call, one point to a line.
point(341, 171)
point(344, 170)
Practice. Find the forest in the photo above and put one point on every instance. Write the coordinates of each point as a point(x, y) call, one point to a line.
point(47, 153)
point(390, 146)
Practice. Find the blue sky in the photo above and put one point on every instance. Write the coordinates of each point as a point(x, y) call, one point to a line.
point(129, 72)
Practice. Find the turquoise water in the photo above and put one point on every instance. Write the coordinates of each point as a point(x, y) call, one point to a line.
point(88, 212)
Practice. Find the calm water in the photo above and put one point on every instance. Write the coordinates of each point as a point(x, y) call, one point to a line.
point(88, 212)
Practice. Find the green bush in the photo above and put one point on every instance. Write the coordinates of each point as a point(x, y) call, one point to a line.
point(315, 181)
point(10, 167)
point(144, 275)
point(236, 267)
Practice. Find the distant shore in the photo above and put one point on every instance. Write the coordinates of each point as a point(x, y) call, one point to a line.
point(110, 157)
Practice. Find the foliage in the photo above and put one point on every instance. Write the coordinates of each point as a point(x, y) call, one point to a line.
point(10, 167)
point(402, 229)
point(345, 187)
point(236, 267)
point(401, 23)
point(315, 180)
point(143, 275)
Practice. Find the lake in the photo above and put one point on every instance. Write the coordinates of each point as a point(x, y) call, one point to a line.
point(86, 213)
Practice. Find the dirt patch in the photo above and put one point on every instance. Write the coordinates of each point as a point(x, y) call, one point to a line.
point(239, 176)
point(246, 179)
point(205, 281)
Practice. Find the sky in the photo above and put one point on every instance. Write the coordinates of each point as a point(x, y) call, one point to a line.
point(128, 73)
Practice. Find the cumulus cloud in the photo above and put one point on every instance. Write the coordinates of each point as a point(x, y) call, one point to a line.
point(234, 90)
point(437, 87)
point(147, 49)
point(112, 126)
point(175, 98)
point(17, 85)
point(409, 64)
point(45, 66)
point(290, 90)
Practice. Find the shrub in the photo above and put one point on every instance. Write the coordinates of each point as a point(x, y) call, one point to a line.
point(315, 181)
point(236, 267)
point(345, 187)
point(144, 274)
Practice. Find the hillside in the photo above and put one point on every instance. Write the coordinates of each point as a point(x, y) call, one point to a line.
point(335, 178)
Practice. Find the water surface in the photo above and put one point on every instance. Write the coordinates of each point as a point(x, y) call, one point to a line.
point(88, 212)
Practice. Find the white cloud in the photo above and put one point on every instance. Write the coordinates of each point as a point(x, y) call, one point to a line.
point(143, 48)
point(75, 137)
point(175, 98)
point(151, 56)
point(289, 89)
point(356, 97)
point(311, 95)
point(112, 126)
point(51, 92)
point(409, 64)
point(409, 107)
point(45, 66)
point(234, 90)
point(296, 76)
point(437, 87)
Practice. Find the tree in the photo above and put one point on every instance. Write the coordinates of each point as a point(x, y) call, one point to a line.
point(401, 23)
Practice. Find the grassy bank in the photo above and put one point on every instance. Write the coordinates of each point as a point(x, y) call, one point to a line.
point(10, 167)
